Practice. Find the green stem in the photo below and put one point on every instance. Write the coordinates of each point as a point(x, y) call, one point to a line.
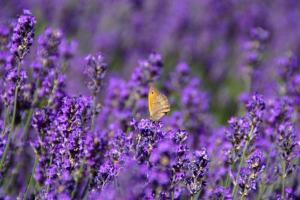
point(24, 135)
point(27, 124)
point(31, 179)
point(248, 78)
point(172, 195)
point(226, 183)
point(64, 67)
point(5, 119)
point(283, 164)
point(30, 113)
point(50, 163)
point(235, 188)
point(36, 187)
point(94, 112)
point(262, 185)
point(54, 88)
point(13, 117)
point(78, 179)
point(243, 197)
point(84, 194)
point(260, 192)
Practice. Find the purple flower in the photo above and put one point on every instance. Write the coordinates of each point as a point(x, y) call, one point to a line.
point(68, 49)
point(94, 150)
point(238, 130)
point(245, 128)
point(219, 193)
point(106, 155)
point(194, 99)
point(23, 34)
point(181, 76)
point(278, 110)
point(47, 71)
point(242, 136)
point(290, 195)
point(11, 79)
point(193, 104)
point(255, 107)
point(113, 113)
point(288, 68)
point(61, 140)
point(131, 174)
point(148, 71)
point(250, 175)
point(197, 168)
point(287, 144)
point(96, 69)
point(280, 130)
point(260, 34)
point(162, 158)
point(49, 42)
point(254, 49)
point(148, 133)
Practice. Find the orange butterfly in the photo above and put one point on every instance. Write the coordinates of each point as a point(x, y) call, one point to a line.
point(158, 104)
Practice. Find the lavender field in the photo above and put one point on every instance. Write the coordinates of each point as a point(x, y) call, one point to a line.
point(221, 122)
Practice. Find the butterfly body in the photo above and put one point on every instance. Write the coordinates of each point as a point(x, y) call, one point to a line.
point(158, 104)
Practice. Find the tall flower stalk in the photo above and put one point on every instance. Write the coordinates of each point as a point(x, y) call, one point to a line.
point(254, 49)
point(96, 69)
point(21, 41)
point(280, 122)
point(45, 65)
point(242, 133)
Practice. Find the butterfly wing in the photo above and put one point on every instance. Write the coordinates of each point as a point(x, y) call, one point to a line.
point(151, 95)
point(158, 104)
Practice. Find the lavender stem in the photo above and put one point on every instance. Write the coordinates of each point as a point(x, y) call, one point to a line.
point(235, 188)
point(5, 119)
point(283, 164)
point(13, 117)
point(31, 178)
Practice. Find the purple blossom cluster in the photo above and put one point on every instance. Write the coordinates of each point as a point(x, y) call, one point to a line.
point(75, 124)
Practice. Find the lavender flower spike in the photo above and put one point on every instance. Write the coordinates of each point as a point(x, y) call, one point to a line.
point(23, 35)
point(21, 40)
point(250, 175)
point(96, 70)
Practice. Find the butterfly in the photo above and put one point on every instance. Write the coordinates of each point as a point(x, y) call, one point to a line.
point(158, 104)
